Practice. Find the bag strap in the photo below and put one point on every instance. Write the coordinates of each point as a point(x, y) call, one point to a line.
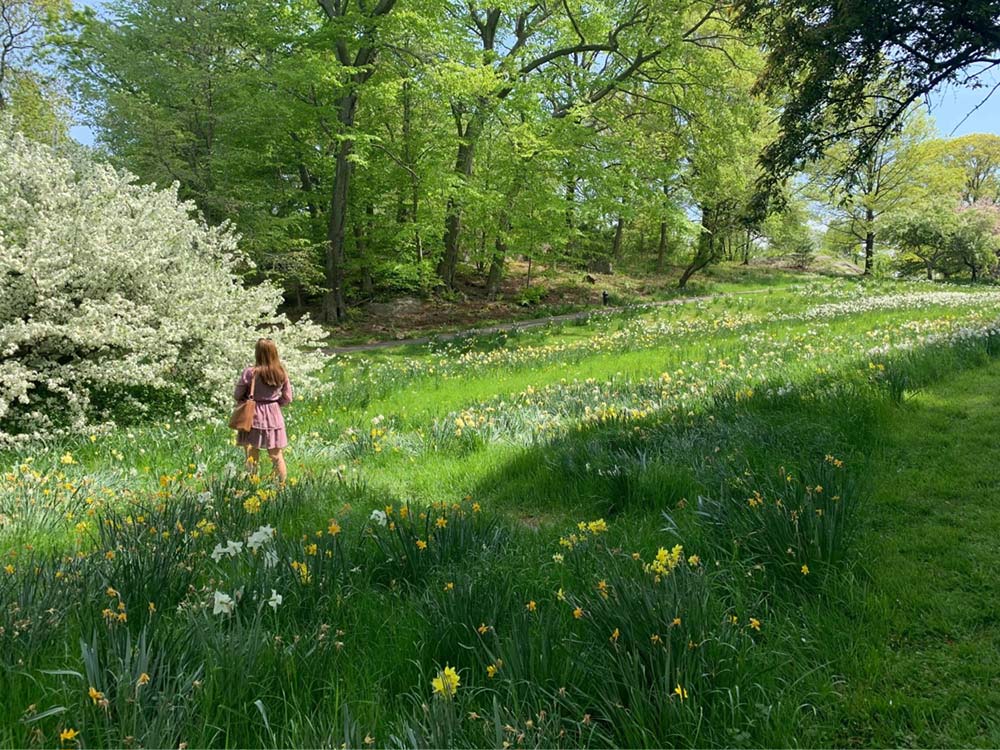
point(253, 380)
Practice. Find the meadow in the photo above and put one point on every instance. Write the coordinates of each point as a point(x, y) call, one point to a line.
point(644, 529)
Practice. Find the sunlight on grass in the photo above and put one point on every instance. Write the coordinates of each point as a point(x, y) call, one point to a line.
point(628, 532)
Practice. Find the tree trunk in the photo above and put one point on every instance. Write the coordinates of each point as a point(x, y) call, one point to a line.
point(616, 243)
point(661, 248)
point(746, 250)
point(499, 259)
point(570, 215)
point(361, 232)
point(334, 308)
point(306, 182)
point(706, 247)
point(453, 218)
point(869, 242)
point(696, 265)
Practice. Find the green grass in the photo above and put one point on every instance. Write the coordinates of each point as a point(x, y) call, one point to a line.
point(926, 656)
point(775, 617)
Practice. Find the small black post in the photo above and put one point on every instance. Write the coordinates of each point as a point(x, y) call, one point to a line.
point(604, 297)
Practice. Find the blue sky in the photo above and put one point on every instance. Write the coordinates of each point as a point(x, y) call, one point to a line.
point(953, 103)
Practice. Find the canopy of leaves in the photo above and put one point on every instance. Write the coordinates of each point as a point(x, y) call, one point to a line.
point(825, 54)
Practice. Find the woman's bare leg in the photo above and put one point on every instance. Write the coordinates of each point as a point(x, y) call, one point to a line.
point(253, 459)
point(278, 463)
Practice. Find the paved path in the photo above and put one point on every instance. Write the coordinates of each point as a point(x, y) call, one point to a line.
point(523, 325)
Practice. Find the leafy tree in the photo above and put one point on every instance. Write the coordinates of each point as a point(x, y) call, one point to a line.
point(923, 233)
point(116, 302)
point(824, 56)
point(593, 52)
point(978, 158)
point(937, 237)
point(28, 93)
point(860, 192)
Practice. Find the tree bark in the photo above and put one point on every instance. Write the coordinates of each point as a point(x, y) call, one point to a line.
point(869, 242)
point(616, 243)
point(453, 218)
point(661, 248)
point(334, 307)
point(361, 232)
point(499, 259)
point(706, 246)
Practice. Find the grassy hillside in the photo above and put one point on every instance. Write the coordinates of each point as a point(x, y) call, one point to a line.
point(654, 528)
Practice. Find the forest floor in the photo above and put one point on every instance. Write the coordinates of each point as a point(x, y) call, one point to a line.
point(548, 292)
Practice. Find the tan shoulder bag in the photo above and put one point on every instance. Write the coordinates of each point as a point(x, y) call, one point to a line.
point(242, 418)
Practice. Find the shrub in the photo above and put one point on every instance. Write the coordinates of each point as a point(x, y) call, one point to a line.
point(116, 300)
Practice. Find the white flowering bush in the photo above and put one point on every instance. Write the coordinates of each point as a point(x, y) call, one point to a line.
point(117, 300)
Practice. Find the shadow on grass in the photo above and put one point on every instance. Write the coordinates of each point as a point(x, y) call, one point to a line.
point(650, 465)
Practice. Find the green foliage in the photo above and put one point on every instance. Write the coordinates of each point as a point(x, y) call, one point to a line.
point(939, 239)
point(572, 578)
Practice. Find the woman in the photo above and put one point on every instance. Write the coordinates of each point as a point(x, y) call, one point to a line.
point(272, 390)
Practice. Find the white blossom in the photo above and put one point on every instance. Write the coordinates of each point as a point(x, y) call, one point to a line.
point(259, 538)
point(275, 600)
point(230, 550)
point(224, 604)
point(112, 287)
point(379, 517)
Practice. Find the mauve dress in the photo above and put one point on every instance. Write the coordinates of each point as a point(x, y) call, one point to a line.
point(268, 425)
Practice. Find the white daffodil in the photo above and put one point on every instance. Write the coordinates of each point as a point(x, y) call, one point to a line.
point(270, 558)
point(224, 604)
point(259, 538)
point(275, 600)
point(379, 517)
point(233, 548)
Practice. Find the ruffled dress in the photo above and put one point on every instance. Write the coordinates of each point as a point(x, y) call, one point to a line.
point(268, 424)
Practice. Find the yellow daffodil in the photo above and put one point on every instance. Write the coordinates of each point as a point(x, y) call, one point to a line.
point(446, 683)
point(68, 735)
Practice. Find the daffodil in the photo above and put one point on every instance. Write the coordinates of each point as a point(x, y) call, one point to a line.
point(446, 683)
point(68, 735)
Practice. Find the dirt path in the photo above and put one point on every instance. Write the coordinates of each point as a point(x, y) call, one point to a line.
point(523, 325)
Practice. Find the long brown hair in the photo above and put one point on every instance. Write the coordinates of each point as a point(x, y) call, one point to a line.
point(268, 363)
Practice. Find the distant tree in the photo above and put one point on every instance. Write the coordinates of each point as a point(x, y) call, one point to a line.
point(937, 237)
point(28, 95)
point(922, 233)
point(976, 240)
point(858, 193)
point(978, 158)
